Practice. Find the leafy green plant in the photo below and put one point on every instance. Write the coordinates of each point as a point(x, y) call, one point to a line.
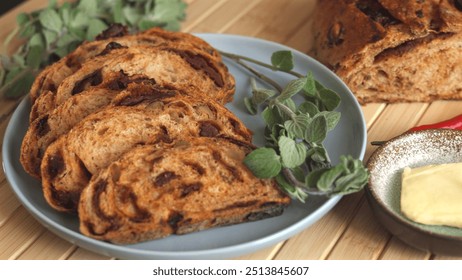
point(51, 33)
point(294, 154)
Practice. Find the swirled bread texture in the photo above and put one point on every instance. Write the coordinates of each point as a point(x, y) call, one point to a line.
point(46, 129)
point(137, 118)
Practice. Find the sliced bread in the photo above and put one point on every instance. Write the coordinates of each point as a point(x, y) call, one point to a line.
point(191, 185)
point(135, 120)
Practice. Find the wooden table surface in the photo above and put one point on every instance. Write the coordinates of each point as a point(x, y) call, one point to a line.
point(349, 231)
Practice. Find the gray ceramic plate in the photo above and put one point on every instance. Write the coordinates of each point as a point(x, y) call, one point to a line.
point(348, 138)
point(384, 190)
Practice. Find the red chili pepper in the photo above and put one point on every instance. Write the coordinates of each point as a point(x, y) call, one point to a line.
point(454, 123)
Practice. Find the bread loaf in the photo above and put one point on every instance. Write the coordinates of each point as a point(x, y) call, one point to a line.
point(195, 184)
point(392, 51)
point(137, 118)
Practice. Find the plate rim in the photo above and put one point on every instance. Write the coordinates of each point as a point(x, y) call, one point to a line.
point(227, 251)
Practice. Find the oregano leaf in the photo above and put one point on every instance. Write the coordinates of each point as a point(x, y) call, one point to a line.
point(308, 108)
point(260, 95)
point(316, 131)
point(250, 106)
point(310, 85)
point(79, 20)
point(292, 154)
point(318, 154)
point(22, 19)
point(27, 31)
point(169, 10)
point(298, 173)
point(263, 162)
point(292, 88)
point(50, 36)
point(290, 103)
point(95, 27)
point(88, 6)
point(332, 118)
point(51, 20)
point(283, 60)
point(298, 125)
point(326, 180)
point(34, 56)
point(13, 72)
point(77, 32)
point(283, 112)
point(61, 51)
point(65, 40)
point(65, 13)
point(131, 15)
point(19, 87)
point(117, 12)
point(330, 99)
point(37, 40)
point(271, 116)
point(311, 180)
point(354, 177)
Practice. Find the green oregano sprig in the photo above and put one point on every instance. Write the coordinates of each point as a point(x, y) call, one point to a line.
point(294, 154)
point(51, 33)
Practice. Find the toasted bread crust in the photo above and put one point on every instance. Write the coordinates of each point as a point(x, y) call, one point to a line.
point(195, 184)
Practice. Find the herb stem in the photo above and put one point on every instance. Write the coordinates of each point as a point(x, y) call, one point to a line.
point(260, 75)
point(296, 183)
point(14, 34)
point(291, 178)
point(8, 40)
point(237, 57)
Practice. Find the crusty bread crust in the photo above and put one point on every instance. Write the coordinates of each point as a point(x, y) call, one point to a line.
point(392, 51)
point(137, 118)
point(192, 185)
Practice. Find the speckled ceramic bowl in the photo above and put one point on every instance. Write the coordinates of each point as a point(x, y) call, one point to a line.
point(383, 192)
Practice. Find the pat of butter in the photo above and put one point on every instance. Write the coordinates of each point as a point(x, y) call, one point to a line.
point(432, 194)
